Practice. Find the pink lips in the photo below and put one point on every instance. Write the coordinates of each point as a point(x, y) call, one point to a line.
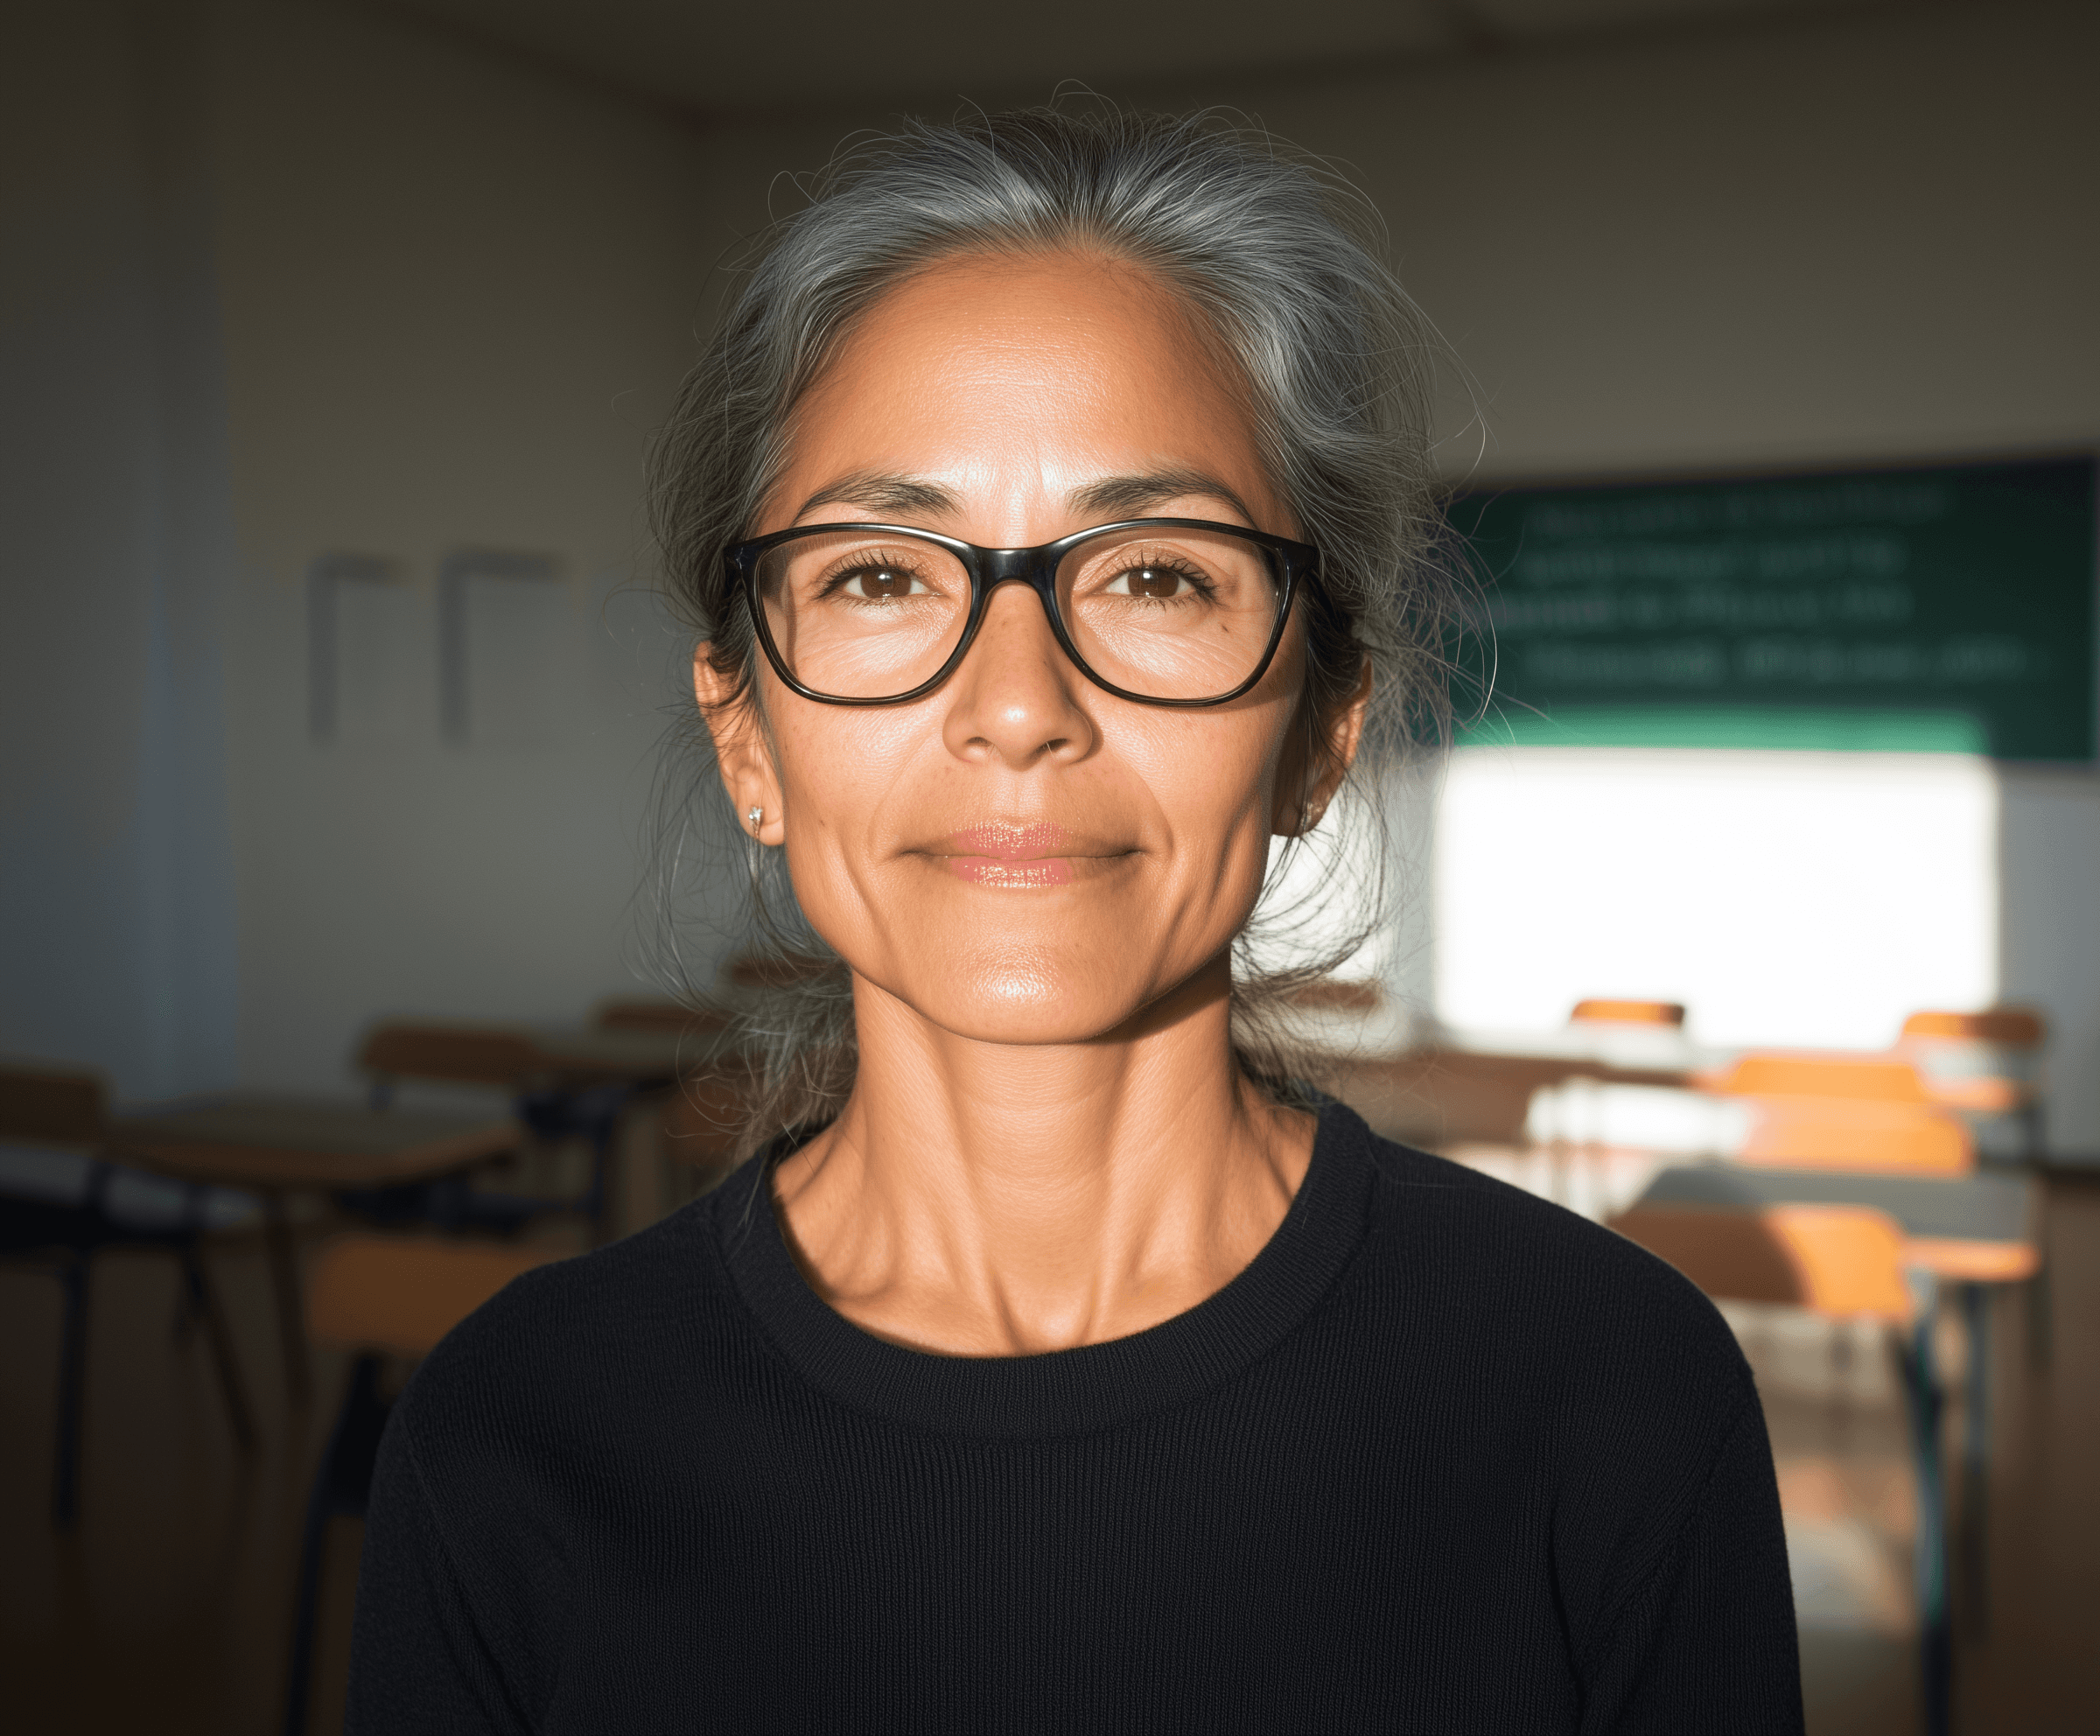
point(999, 855)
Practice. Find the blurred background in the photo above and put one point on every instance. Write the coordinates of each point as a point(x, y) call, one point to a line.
point(339, 717)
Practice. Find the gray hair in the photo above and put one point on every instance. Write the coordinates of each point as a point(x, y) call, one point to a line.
point(1282, 262)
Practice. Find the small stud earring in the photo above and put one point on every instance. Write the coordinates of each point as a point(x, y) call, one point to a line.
point(755, 816)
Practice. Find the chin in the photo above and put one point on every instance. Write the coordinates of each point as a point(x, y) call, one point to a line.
point(1027, 997)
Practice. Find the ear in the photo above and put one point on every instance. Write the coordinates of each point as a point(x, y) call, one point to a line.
point(1310, 781)
point(742, 753)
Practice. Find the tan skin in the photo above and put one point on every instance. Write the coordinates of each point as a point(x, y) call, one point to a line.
point(1048, 1143)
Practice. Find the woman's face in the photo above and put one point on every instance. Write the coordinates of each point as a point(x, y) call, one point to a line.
point(1020, 856)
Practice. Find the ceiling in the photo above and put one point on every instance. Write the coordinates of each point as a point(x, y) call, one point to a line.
point(765, 56)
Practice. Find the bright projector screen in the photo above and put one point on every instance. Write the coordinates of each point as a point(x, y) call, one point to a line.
point(1785, 898)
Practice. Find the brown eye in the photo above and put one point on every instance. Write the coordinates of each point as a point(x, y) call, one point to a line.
point(1143, 581)
point(878, 582)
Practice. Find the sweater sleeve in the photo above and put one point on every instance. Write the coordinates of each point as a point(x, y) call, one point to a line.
point(1708, 1642)
point(418, 1661)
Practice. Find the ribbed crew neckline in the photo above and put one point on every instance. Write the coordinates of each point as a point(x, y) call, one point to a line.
point(1095, 1386)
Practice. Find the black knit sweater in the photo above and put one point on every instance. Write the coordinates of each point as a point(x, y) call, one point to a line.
point(1444, 1457)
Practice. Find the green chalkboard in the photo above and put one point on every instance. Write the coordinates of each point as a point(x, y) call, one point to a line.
point(1936, 608)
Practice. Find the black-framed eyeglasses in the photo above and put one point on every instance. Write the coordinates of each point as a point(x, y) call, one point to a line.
point(1164, 610)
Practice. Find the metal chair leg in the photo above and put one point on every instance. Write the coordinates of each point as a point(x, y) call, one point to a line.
point(1935, 1649)
point(298, 1688)
point(342, 1485)
point(593, 1115)
point(187, 1310)
point(73, 1394)
point(185, 1322)
point(292, 1308)
point(204, 1305)
point(2041, 1318)
point(1976, 1462)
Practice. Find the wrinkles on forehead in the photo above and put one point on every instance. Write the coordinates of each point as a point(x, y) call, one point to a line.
point(1068, 388)
point(892, 495)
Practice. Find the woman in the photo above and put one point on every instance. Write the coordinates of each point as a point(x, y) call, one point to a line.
point(1060, 1371)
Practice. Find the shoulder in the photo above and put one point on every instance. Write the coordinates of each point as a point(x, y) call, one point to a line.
point(566, 1344)
point(1602, 1369)
point(1538, 1284)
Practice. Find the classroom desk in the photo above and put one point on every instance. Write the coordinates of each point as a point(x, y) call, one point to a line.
point(561, 1057)
point(565, 1082)
point(578, 1054)
point(591, 1076)
point(548, 1062)
point(276, 1146)
point(1434, 1098)
point(1983, 1228)
point(1971, 1231)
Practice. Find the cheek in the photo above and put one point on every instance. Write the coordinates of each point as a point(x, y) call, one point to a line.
point(842, 773)
point(1211, 783)
point(1210, 776)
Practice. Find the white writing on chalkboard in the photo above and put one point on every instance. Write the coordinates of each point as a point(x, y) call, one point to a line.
point(1955, 601)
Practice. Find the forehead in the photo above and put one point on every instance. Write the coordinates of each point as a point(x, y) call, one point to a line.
point(1002, 371)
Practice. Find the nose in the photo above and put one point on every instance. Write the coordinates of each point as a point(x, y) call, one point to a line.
point(1016, 696)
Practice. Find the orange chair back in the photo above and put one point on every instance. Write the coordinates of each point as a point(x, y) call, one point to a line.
point(454, 1054)
point(1628, 1013)
point(2006, 1027)
point(1845, 1112)
point(402, 1294)
point(1984, 1062)
point(51, 1106)
point(1884, 1079)
point(1844, 1262)
point(1825, 1133)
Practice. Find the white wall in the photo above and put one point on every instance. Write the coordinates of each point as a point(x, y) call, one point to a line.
point(1838, 239)
point(458, 293)
point(118, 934)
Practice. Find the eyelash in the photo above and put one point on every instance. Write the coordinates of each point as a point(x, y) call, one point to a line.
point(867, 560)
point(1197, 578)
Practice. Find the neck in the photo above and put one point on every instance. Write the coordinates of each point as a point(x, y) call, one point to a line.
point(987, 1198)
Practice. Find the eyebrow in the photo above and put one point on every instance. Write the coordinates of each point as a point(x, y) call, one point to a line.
point(1133, 496)
point(885, 494)
point(891, 494)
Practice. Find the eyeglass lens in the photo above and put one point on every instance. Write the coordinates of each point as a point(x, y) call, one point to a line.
point(1165, 613)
